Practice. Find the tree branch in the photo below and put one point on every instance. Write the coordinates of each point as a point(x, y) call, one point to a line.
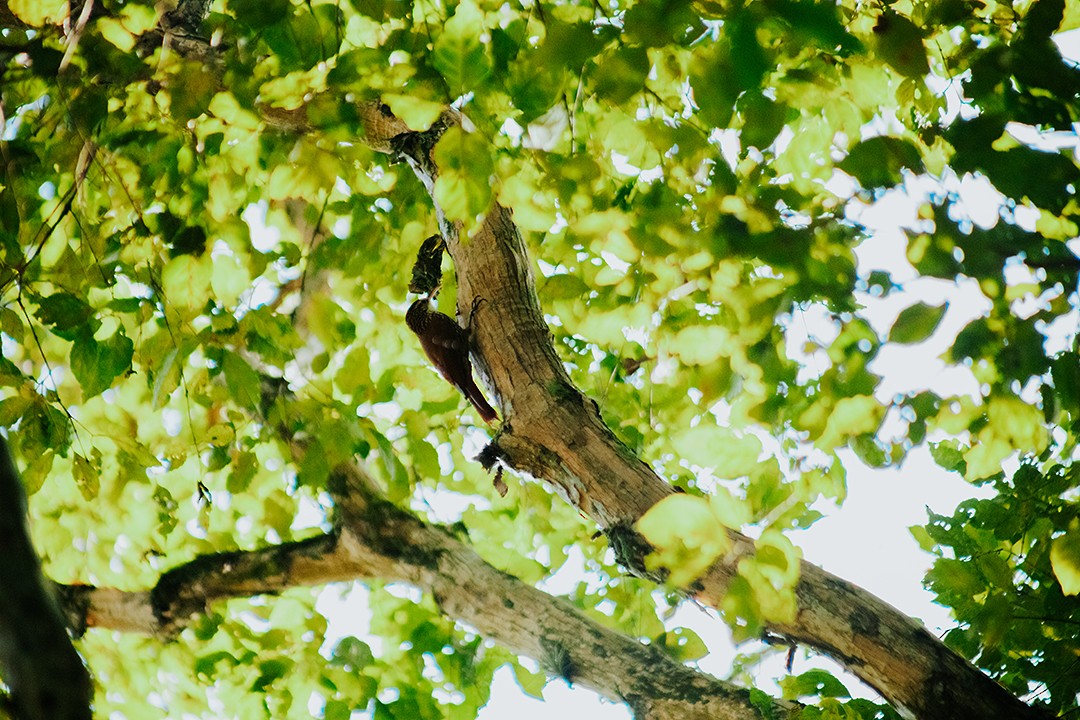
point(552, 431)
point(47, 678)
point(379, 540)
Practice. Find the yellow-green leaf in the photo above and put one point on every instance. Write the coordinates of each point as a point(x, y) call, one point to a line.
point(463, 188)
point(459, 54)
point(707, 445)
point(95, 364)
point(186, 283)
point(416, 112)
point(39, 12)
point(851, 416)
point(1065, 560)
point(532, 683)
point(86, 475)
point(687, 536)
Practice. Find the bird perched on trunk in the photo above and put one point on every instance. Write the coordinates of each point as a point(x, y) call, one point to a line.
point(447, 346)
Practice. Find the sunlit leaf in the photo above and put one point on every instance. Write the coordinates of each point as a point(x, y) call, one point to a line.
point(185, 281)
point(683, 644)
point(459, 54)
point(687, 535)
point(463, 188)
point(39, 12)
point(532, 683)
point(1065, 558)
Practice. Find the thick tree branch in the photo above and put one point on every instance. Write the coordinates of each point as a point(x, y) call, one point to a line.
point(47, 678)
point(380, 540)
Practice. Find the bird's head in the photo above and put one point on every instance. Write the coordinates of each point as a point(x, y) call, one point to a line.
point(417, 316)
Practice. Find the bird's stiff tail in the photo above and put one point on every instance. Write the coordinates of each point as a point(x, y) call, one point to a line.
point(487, 413)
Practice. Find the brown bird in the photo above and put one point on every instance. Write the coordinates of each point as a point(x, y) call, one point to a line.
point(447, 346)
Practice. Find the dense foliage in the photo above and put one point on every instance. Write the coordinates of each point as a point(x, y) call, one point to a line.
point(692, 178)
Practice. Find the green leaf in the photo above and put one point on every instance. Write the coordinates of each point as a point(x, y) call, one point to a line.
point(191, 89)
point(819, 21)
point(687, 535)
point(10, 221)
point(243, 471)
point(916, 323)
point(185, 281)
point(922, 537)
point(314, 468)
point(531, 683)
point(1065, 559)
point(1043, 177)
point(1065, 370)
point(65, 313)
point(352, 653)
point(655, 23)
point(899, 43)
point(245, 386)
point(259, 13)
point(851, 416)
point(948, 456)
point(730, 454)
point(1043, 18)
point(35, 472)
point(11, 323)
point(762, 119)
point(398, 486)
point(753, 63)
point(868, 450)
point(563, 286)
point(12, 409)
point(416, 112)
point(206, 666)
point(458, 54)
point(878, 161)
point(166, 378)
point(463, 188)
point(271, 670)
point(1011, 424)
point(621, 74)
point(166, 507)
point(86, 474)
point(712, 80)
point(820, 683)
point(683, 644)
point(96, 364)
point(337, 710)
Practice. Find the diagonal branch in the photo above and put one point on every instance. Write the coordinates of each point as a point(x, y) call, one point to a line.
point(552, 431)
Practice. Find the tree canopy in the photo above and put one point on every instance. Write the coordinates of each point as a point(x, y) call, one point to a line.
point(210, 217)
